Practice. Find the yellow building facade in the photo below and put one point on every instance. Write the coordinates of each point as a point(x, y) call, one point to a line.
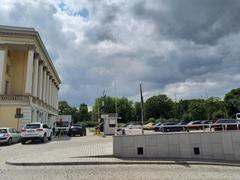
point(29, 82)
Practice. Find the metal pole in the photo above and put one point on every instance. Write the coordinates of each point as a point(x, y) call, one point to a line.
point(98, 113)
point(142, 114)
point(116, 123)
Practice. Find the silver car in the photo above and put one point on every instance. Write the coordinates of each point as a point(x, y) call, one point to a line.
point(9, 135)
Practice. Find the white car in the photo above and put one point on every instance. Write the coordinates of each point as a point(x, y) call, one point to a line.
point(36, 131)
point(9, 135)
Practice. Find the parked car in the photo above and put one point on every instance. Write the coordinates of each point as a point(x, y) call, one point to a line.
point(148, 126)
point(207, 123)
point(134, 126)
point(182, 123)
point(9, 136)
point(171, 127)
point(36, 131)
point(194, 125)
point(157, 126)
point(226, 124)
point(77, 129)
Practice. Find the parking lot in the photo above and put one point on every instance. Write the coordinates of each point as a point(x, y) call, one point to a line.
point(75, 148)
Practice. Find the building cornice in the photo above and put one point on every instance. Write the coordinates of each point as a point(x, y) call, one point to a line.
point(22, 31)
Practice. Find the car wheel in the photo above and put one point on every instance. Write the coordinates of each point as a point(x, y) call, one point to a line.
point(44, 138)
point(23, 141)
point(50, 137)
point(9, 141)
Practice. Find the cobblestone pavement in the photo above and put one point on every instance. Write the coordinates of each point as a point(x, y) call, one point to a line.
point(58, 149)
point(120, 172)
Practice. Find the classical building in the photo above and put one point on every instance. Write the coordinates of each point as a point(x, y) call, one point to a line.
point(29, 83)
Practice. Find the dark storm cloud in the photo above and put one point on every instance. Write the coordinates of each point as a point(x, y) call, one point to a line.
point(173, 46)
point(203, 21)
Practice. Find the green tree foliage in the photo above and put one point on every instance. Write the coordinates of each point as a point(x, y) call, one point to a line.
point(232, 100)
point(158, 107)
point(198, 110)
point(216, 108)
point(137, 111)
point(124, 106)
point(125, 109)
point(64, 108)
point(83, 112)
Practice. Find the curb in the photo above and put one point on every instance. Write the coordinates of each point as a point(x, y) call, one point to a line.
point(126, 162)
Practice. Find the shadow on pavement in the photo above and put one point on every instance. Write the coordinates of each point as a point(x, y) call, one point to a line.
point(97, 156)
point(61, 138)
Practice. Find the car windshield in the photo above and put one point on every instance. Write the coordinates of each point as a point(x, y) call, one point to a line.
point(3, 131)
point(227, 121)
point(169, 123)
point(32, 126)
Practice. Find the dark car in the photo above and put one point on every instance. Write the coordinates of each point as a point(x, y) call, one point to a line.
point(194, 125)
point(77, 129)
point(156, 127)
point(171, 127)
point(226, 124)
point(207, 123)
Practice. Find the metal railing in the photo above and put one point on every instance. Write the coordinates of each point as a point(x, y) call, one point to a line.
point(204, 127)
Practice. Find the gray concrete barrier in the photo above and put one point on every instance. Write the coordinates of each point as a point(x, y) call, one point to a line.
point(222, 145)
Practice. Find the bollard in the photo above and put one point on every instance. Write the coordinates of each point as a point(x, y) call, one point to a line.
point(123, 132)
point(98, 131)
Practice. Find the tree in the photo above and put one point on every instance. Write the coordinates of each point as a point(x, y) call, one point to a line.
point(83, 112)
point(158, 107)
point(198, 110)
point(216, 108)
point(232, 100)
point(64, 108)
point(137, 111)
point(125, 107)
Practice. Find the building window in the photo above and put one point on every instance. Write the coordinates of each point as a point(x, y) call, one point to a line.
point(7, 87)
point(8, 69)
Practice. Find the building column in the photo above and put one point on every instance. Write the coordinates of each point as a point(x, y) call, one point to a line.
point(40, 80)
point(55, 96)
point(44, 84)
point(47, 91)
point(29, 73)
point(3, 58)
point(52, 93)
point(35, 76)
point(57, 99)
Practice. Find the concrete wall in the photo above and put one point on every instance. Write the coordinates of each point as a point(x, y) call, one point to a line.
point(212, 145)
point(7, 116)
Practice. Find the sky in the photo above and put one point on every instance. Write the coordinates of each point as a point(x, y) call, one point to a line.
point(184, 49)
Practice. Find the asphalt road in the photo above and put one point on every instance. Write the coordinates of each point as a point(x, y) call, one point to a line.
point(91, 145)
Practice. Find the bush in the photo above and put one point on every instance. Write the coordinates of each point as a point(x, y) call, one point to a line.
point(151, 120)
point(89, 123)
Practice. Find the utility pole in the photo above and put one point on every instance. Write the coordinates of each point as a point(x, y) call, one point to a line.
point(116, 108)
point(142, 114)
point(116, 123)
